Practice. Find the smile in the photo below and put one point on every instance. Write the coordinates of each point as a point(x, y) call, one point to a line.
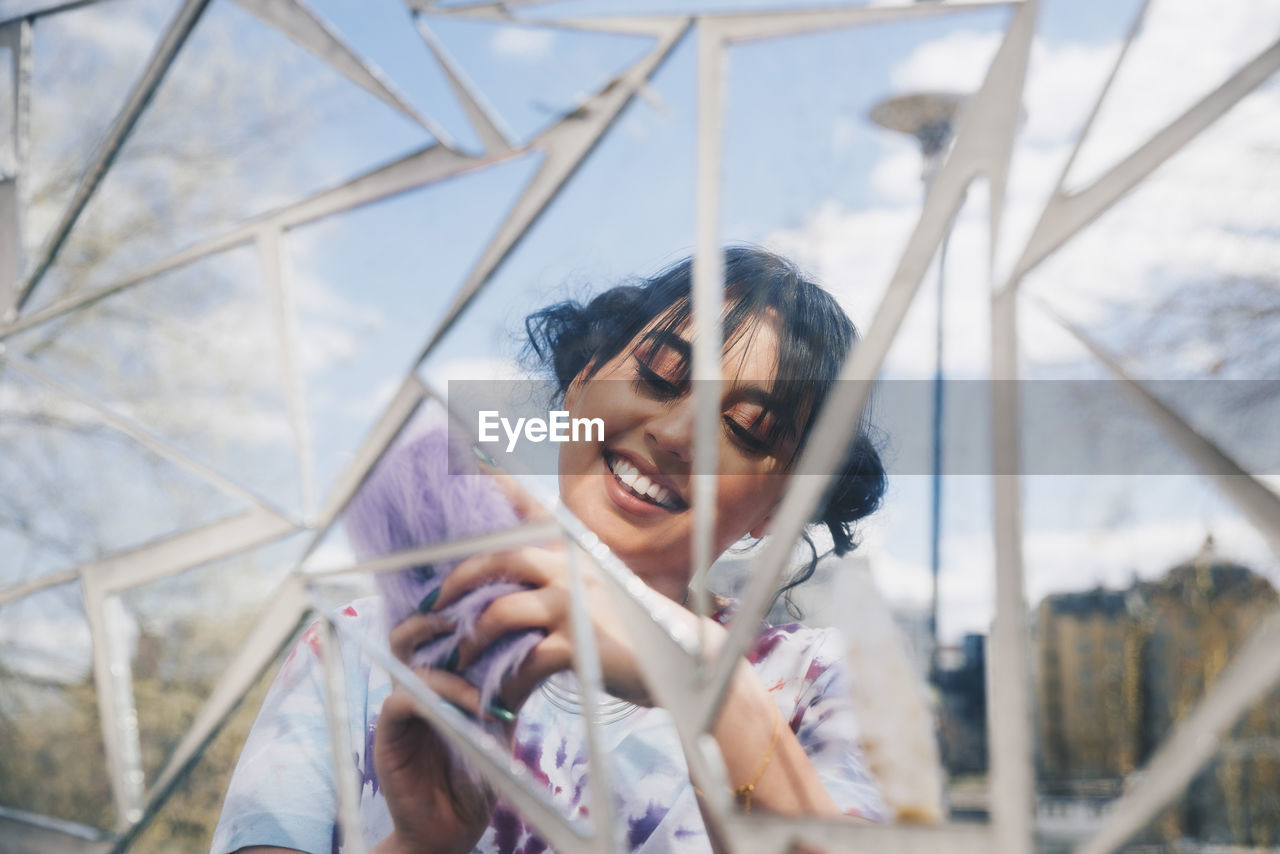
point(641, 487)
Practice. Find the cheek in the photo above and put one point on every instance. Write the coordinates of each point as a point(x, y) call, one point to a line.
point(744, 500)
point(611, 400)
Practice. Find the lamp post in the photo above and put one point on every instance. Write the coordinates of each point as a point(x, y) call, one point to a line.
point(929, 117)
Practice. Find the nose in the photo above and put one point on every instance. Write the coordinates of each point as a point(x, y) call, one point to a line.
point(670, 432)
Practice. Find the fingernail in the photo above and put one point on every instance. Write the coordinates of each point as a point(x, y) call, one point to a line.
point(501, 712)
point(452, 661)
point(427, 601)
point(483, 456)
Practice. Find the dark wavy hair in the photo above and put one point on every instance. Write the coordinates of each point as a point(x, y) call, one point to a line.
point(572, 338)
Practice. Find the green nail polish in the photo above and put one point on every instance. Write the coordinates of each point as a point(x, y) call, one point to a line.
point(428, 601)
point(483, 456)
point(501, 712)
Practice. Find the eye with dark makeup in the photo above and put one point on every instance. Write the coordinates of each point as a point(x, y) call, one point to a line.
point(662, 373)
point(662, 369)
point(751, 431)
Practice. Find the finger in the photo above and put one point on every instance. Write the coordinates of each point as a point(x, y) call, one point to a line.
point(540, 608)
point(553, 654)
point(526, 566)
point(415, 630)
point(465, 697)
point(452, 688)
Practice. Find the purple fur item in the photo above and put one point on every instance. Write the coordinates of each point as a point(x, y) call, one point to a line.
point(427, 491)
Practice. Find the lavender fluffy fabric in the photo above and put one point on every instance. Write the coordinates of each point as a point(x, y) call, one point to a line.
point(411, 500)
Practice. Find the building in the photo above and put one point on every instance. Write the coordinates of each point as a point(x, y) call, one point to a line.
point(1115, 670)
point(961, 681)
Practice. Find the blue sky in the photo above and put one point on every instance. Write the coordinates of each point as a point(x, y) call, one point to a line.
point(804, 172)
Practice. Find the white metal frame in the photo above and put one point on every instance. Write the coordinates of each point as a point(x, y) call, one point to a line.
point(983, 145)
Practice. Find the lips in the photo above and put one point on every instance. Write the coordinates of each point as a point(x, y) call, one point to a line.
point(647, 489)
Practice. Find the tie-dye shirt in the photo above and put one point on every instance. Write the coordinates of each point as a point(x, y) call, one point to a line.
point(282, 791)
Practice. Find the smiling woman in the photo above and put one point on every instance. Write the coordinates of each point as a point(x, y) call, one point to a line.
point(787, 730)
point(624, 357)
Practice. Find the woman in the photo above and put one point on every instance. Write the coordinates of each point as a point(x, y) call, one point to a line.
point(785, 730)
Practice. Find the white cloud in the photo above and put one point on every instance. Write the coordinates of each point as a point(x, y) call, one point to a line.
point(332, 325)
point(491, 368)
point(1170, 226)
point(1183, 51)
point(957, 62)
point(375, 400)
point(896, 176)
point(116, 29)
point(522, 43)
point(1207, 213)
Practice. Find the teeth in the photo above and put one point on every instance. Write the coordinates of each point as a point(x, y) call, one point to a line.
point(630, 477)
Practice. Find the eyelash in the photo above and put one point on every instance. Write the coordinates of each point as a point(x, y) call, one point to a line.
point(652, 384)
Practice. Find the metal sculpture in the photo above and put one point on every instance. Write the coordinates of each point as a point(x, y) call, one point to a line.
point(984, 137)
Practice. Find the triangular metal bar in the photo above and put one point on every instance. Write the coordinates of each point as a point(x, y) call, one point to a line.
point(504, 773)
point(567, 143)
point(1253, 672)
point(986, 114)
point(165, 557)
point(736, 26)
point(1254, 498)
point(140, 434)
point(628, 25)
point(16, 10)
point(607, 838)
point(117, 714)
point(25, 831)
point(526, 534)
point(16, 38)
point(274, 630)
point(188, 549)
point(346, 777)
point(1066, 214)
point(1009, 713)
point(161, 59)
point(1255, 668)
point(278, 272)
point(425, 166)
point(34, 585)
point(1135, 29)
point(749, 26)
point(493, 136)
point(708, 305)
point(472, 9)
point(398, 412)
point(312, 33)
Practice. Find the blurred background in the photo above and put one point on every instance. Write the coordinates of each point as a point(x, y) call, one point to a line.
point(209, 321)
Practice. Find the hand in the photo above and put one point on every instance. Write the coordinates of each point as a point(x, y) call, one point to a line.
point(435, 807)
point(547, 605)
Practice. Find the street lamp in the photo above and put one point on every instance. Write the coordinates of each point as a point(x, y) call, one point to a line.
point(929, 117)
